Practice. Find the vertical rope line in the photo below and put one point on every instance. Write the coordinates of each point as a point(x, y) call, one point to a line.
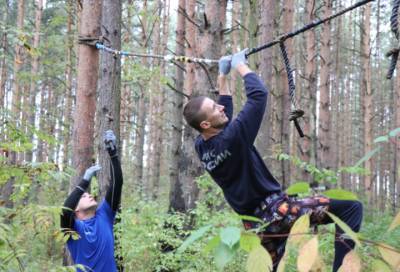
point(289, 72)
point(394, 26)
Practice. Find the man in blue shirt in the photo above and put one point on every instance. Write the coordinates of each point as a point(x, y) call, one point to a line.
point(226, 149)
point(94, 223)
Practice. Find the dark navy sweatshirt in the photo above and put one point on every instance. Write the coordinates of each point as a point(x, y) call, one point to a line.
point(230, 156)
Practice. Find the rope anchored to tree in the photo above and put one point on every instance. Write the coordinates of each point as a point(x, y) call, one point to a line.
point(296, 113)
point(103, 47)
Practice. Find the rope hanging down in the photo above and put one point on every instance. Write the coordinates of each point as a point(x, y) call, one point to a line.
point(394, 25)
point(296, 113)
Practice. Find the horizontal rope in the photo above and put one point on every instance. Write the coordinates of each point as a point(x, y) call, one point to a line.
point(101, 46)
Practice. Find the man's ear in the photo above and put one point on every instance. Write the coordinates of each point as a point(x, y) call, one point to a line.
point(205, 125)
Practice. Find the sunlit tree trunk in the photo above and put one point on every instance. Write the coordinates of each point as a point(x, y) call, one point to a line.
point(288, 17)
point(324, 125)
point(268, 27)
point(308, 96)
point(109, 87)
point(208, 41)
point(18, 63)
point(367, 96)
point(3, 64)
point(141, 117)
point(31, 109)
point(176, 201)
point(88, 64)
point(395, 181)
point(160, 105)
point(68, 84)
point(7, 188)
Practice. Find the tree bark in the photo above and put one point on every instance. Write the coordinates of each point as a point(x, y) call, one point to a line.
point(3, 64)
point(31, 109)
point(68, 84)
point(268, 27)
point(141, 118)
point(7, 188)
point(88, 64)
point(209, 40)
point(109, 87)
point(176, 200)
point(367, 96)
point(309, 95)
point(324, 126)
point(18, 63)
point(288, 17)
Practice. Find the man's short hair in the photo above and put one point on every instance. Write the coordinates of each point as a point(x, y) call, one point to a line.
point(193, 114)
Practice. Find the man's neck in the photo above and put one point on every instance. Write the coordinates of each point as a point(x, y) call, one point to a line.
point(210, 133)
point(86, 215)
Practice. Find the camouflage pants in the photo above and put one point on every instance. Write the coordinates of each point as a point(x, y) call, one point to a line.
point(281, 211)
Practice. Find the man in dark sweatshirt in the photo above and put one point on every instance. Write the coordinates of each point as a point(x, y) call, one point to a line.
point(94, 249)
point(226, 150)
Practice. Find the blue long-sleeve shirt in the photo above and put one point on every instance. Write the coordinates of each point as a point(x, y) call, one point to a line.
point(230, 156)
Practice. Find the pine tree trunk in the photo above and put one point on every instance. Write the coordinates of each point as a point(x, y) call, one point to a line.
point(88, 65)
point(109, 87)
point(7, 188)
point(34, 71)
point(395, 181)
point(367, 96)
point(155, 92)
point(267, 24)
point(68, 84)
point(288, 16)
point(209, 42)
point(160, 106)
point(324, 126)
point(3, 64)
point(141, 118)
point(18, 63)
point(176, 200)
point(308, 102)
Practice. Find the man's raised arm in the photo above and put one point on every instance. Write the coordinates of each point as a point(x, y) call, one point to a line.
point(113, 194)
point(249, 119)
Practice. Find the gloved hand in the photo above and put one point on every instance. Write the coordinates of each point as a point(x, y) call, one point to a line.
point(91, 171)
point(110, 140)
point(239, 58)
point(224, 65)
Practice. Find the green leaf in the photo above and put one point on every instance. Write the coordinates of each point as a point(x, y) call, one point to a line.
point(249, 241)
point(259, 260)
point(394, 132)
point(299, 229)
point(283, 157)
point(193, 237)
point(395, 223)
point(250, 218)
point(307, 255)
point(298, 188)
point(367, 156)
point(390, 254)
point(345, 228)
point(351, 263)
point(340, 194)
point(381, 266)
point(213, 243)
point(381, 139)
point(223, 255)
point(230, 236)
